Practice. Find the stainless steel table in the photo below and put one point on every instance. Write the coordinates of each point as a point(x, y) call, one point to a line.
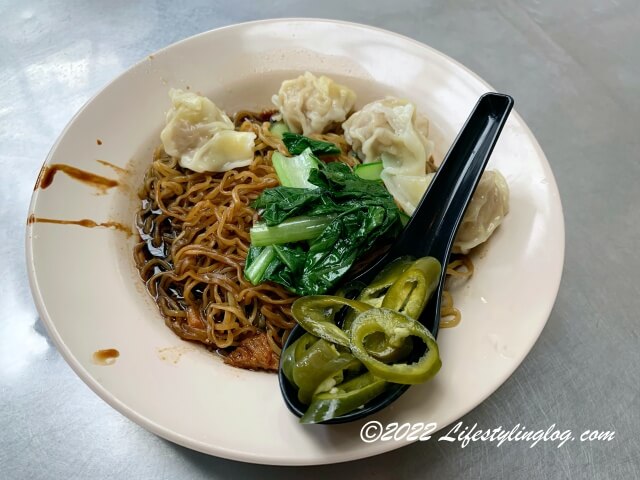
point(574, 68)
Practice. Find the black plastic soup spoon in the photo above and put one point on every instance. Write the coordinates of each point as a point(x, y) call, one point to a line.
point(430, 231)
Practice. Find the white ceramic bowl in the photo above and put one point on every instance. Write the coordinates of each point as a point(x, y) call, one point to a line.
point(89, 296)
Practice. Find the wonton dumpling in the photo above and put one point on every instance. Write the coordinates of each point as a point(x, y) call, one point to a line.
point(202, 136)
point(392, 131)
point(311, 104)
point(227, 149)
point(488, 207)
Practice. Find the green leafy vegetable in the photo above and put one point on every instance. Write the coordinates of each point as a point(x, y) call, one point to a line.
point(339, 190)
point(296, 144)
point(363, 213)
point(293, 258)
point(293, 229)
point(279, 263)
point(259, 265)
point(294, 171)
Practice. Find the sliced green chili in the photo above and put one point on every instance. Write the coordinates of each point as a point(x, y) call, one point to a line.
point(379, 332)
point(378, 346)
point(319, 369)
point(314, 365)
point(343, 398)
point(316, 313)
point(405, 285)
point(295, 352)
point(413, 287)
point(374, 293)
point(396, 327)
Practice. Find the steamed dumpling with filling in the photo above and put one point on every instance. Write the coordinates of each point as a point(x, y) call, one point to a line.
point(311, 104)
point(202, 136)
point(392, 131)
point(488, 207)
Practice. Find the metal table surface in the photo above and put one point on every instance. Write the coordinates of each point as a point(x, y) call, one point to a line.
point(574, 69)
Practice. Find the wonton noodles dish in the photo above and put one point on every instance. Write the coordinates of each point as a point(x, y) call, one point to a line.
point(240, 218)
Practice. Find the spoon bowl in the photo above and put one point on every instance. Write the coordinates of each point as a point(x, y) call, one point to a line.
point(431, 231)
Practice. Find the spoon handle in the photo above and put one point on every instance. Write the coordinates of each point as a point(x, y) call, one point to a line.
point(450, 192)
point(455, 181)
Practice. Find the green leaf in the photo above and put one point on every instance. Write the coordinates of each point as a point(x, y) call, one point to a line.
point(294, 171)
point(296, 144)
point(292, 257)
point(349, 214)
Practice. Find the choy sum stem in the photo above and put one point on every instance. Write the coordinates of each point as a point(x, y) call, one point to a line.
point(256, 270)
point(292, 230)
